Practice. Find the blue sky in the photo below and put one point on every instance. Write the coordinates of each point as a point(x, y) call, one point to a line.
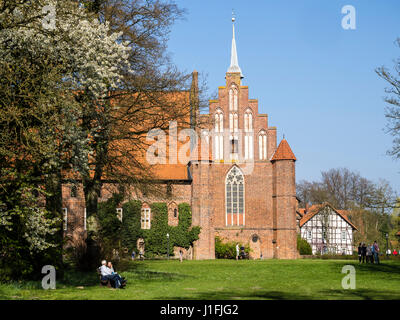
point(315, 80)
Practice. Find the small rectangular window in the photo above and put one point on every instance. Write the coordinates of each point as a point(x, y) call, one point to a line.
point(145, 218)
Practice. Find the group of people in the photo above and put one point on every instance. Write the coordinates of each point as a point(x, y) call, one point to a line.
point(240, 252)
point(395, 252)
point(368, 253)
point(141, 254)
point(108, 274)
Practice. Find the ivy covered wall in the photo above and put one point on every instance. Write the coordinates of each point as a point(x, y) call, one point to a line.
point(114, 234)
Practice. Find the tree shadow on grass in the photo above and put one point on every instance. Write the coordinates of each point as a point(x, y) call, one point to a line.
point(363, 294)
point(360, 294)
point(241, 295)
point(78, 278)
point(382, 267)
point(139, 271)
point(146, 275)
point(132, 272)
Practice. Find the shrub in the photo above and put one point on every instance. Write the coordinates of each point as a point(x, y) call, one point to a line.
point(227, 249)
point(303, 246)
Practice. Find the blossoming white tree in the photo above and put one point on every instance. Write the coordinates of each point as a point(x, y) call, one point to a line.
point(44, 73)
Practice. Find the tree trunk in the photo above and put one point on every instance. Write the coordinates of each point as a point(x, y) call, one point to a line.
point(53, 185)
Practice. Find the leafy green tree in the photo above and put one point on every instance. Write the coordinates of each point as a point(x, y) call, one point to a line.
point(43, 73)
point(26, 232)
point(303, 246)
point(185, 234)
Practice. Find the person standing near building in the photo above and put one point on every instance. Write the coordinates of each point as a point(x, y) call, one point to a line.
point(133, 254)
point(376, 252)
point(363, 252)
point(359, 252)
point(369, 254)
point(242, 252)
point(141, 253)
point(237, 251)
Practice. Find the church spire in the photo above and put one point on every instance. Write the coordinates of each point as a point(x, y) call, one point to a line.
point(234, 67)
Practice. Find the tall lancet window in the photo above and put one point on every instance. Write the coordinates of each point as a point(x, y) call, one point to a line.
point(219, 135)
point(262, 145)
point(248, 135)
point(233, 137)
point(234, 198)
point(233, 122)
point(233, 98)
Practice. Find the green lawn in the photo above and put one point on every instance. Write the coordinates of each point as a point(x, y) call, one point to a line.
point(225, 279)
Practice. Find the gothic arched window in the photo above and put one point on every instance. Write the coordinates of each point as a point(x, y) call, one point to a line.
point(233, 98)
point(233, 122)
point(234, 198)
point(219, 121)
point(219, 137)
point(206, 136)
point(262, 145)
point(248, 137)
point(248, 121)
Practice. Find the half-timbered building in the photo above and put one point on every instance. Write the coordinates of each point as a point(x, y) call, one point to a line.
point(326, 229)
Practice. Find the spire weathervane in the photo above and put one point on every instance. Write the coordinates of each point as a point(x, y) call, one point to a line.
point(234, 67)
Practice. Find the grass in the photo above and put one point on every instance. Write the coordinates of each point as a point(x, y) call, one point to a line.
point(225, 279)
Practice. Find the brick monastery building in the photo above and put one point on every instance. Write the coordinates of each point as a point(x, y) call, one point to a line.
point(243, 190)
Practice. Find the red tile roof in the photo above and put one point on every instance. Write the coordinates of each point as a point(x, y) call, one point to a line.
point(170, 172)
point(314, 209)
point(283, 152)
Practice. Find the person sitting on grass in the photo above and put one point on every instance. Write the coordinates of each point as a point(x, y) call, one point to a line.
point(108, 274)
